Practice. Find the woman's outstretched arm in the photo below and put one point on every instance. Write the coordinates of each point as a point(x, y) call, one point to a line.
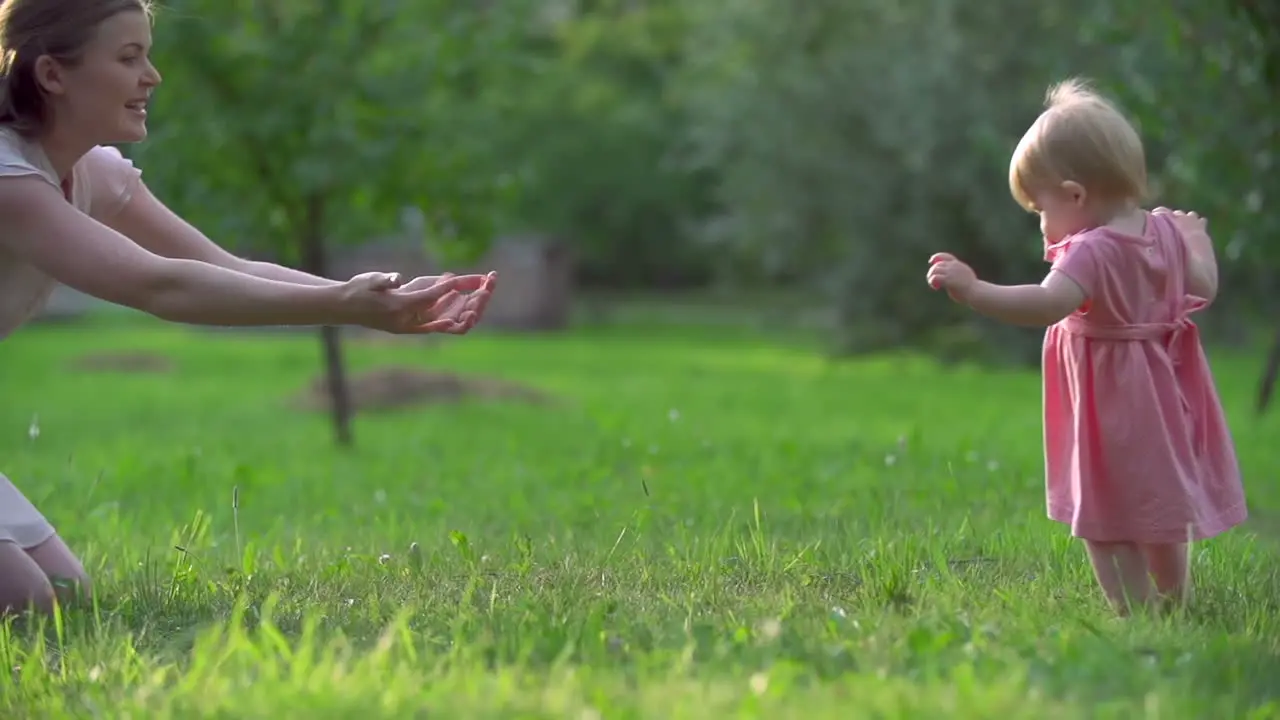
point(150, 223)
point(42, 228)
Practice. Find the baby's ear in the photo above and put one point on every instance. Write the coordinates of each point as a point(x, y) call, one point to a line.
point(1075, 191)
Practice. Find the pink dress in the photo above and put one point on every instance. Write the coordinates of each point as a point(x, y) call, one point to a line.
point(1136, 444)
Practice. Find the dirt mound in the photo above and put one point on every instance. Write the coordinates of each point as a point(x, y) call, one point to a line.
point(389, 388)
point(124, 362)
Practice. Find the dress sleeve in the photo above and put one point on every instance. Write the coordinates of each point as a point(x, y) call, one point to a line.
point(14, 164)
point(112, 181)
point(1077, 258)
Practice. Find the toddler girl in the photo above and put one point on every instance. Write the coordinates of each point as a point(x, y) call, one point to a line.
point(1138, 458)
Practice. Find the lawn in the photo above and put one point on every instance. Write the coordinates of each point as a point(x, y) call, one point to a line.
point(696, 524)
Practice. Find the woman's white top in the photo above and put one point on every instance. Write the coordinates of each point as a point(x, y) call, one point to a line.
point(100, 184)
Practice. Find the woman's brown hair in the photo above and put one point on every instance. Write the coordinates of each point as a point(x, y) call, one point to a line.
point(57, 28)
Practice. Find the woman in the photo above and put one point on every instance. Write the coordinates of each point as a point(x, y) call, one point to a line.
point(75, 76)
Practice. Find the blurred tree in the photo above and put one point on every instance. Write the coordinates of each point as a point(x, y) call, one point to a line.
point(1264, 17)
point(880, 132)
point(1215, 104)
point(594, 127)
point(301, 124)
point(671, 141)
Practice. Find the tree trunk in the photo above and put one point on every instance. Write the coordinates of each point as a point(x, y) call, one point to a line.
point(1265, 19)
point(1269, 376)
point(315, 261)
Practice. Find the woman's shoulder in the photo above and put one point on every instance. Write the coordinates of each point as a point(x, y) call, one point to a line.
point(106, 179)
point(103, 179)
point(21, 157)
point(107, 162)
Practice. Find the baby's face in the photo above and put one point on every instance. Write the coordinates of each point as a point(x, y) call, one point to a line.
point(1062, 211)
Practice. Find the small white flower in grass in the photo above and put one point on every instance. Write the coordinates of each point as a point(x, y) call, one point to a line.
point(839, 613)
point(890, 460)
point(383, 559)
point(33, 430)
point(770, 629)
point(992, 466)
point(673, 414)
point(760, 683)
point(380, 496)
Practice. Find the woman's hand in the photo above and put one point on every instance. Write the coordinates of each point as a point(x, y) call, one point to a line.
point(464, 308)
point(380, 301)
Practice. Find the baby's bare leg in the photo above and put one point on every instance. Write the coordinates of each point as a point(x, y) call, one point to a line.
point(1170, 568)
point(1121, 569)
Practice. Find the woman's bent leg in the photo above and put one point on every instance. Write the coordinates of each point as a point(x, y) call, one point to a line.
point(34, 561)
point(63, 569)
point(23, 584)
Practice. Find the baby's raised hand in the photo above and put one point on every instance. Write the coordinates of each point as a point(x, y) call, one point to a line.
point(1195, 230)
point(950, 274)
point(1188, 222)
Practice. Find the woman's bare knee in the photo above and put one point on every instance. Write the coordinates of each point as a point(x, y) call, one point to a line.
point(23, 585)
point(62, 568)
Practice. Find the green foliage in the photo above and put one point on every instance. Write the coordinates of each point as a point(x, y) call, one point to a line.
point(596, 127)
point(704, 525)
point(868, 148)
point(1209, 113)
point(274, 110)
point(835, 146)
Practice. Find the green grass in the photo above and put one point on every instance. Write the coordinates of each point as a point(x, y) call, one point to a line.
point(705, 525)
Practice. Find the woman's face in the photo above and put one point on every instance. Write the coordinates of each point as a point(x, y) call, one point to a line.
point(105, 95)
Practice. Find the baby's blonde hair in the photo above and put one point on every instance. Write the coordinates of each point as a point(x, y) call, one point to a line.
point(1080, 137)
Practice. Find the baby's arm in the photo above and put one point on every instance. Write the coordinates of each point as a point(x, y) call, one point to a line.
point(1029, 305)
point(1202, 265)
